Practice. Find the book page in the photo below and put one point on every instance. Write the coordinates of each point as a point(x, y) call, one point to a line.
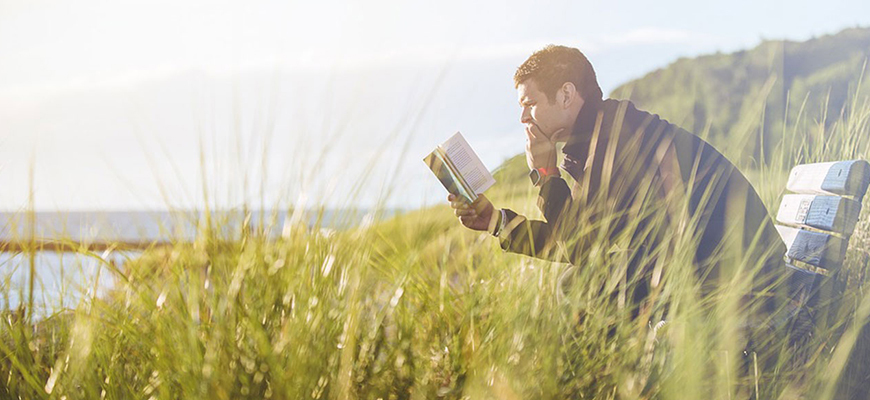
point(467, 163)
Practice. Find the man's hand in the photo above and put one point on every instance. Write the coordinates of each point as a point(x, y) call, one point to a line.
point(477, 216)
point(540, 148)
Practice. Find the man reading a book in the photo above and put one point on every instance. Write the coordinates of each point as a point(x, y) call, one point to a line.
point(630, 185)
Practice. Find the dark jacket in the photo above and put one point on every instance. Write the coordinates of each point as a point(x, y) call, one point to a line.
point(632, 170)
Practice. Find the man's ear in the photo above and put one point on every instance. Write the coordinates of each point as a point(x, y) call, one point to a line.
point(568, 92)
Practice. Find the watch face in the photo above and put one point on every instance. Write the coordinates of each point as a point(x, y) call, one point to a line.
point(535, 176)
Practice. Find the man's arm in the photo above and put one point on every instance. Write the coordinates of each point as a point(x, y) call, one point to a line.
point(535, 238)
point(532, 237)
point(516, 233)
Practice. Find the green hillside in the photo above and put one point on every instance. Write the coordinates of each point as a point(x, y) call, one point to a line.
point(719, 96)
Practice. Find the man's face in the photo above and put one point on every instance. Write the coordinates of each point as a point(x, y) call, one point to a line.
point(539, 111)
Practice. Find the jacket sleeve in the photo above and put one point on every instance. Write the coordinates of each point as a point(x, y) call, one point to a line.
point(539, 238)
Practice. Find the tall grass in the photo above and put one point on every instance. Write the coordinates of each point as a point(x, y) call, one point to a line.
point(417, 307)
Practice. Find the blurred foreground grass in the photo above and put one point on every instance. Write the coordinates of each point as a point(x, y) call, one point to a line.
point(417, 307)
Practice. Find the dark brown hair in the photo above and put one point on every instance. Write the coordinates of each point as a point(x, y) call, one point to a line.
point(554, 65)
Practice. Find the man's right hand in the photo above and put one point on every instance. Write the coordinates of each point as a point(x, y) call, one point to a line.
point(477, 216)
point(540, 148)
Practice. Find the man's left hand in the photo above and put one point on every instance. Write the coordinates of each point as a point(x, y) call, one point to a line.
point(540, 148)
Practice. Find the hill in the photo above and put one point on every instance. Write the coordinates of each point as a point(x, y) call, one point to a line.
point(720, 96)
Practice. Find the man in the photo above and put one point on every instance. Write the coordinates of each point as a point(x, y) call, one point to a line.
point(639, 182)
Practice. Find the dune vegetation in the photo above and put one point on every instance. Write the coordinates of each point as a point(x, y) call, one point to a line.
point(417, 307)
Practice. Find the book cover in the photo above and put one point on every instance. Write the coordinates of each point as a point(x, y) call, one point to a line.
point(459, 169)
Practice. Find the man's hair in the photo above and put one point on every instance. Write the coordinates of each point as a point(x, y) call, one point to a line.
point(554, 65)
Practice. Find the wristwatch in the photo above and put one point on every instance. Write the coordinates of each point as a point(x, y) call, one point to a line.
point(499, 224)
point(537, 175)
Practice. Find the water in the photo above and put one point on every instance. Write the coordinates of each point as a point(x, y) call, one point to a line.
point(64, 279)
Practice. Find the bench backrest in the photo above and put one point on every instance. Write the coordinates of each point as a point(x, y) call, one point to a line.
point(817, 223)
point(821, 216)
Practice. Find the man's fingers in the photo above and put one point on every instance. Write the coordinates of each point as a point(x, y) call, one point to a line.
point(536, 132)
point(468, 221)
point(459, 212)
point(480, 204)
point(462, 209)
point(529, 134)
point(536, 135)
point(537, 138)
point(459, 204)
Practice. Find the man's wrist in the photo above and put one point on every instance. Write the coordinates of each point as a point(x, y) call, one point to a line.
point(539, 176)
point(547, 179)
point(499, 223)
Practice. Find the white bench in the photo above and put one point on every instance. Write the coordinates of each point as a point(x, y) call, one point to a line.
point(821, 216)
point(817, 222)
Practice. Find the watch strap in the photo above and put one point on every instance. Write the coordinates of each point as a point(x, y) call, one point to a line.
point(537, 175)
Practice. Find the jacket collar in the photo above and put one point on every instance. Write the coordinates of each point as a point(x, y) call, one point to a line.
point(577, 144)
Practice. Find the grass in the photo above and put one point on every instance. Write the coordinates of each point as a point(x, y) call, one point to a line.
point(417, 307)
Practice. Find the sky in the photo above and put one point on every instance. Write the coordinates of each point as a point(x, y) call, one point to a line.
point(171, 104)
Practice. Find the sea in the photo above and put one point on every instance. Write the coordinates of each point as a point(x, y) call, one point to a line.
point(64, 279)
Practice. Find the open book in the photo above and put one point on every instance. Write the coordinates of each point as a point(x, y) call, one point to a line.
point(459, 169)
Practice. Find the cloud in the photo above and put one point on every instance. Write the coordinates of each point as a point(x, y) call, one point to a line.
point(440, 54)
point(655, 35)
point(325, 59)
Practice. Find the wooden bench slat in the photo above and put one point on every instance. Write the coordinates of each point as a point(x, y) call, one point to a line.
point(830, 213)
point(818, 249)
point(787, 234)
point(844, 178)
point(800, 281)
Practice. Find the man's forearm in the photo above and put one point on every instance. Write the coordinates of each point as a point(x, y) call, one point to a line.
point(530, 237)
point(553, 198)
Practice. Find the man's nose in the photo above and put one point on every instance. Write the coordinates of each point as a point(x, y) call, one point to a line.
point(525, 117)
